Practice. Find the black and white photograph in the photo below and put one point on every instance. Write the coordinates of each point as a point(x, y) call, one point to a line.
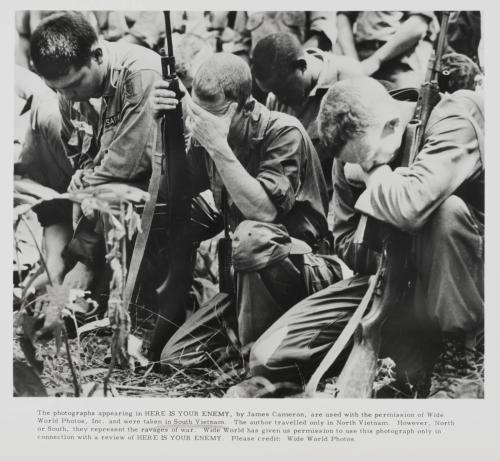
point(249, 204)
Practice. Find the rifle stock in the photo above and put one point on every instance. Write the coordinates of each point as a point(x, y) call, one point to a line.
point(357, 376)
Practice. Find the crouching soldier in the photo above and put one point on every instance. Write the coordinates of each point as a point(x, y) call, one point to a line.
point(439, 200)
point(297, 80)
point(264, 164)
point(107, 126)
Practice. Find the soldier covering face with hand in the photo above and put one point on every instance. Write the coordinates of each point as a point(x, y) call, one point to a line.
point(276, 192)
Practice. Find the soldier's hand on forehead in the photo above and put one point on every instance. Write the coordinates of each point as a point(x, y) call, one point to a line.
point(162, 98)
point(209, 130)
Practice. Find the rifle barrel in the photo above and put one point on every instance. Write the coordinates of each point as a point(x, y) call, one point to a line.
point(168, 30)
point(441, 42)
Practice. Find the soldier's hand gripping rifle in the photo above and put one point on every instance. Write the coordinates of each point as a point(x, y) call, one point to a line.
point(172, 295)
point(389, 284)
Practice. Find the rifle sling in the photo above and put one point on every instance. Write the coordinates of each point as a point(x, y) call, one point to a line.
point(344, 337)
point(142, 237)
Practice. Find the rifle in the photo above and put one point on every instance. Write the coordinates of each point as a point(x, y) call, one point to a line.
point(388, 286)
point(173, 293)
point(212, 323)
point(427, 99)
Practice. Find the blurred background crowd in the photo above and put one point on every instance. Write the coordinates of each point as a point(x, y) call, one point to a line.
point(406, 35)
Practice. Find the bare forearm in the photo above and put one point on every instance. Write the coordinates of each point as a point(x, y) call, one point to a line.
point(410, 32)
point(345, 38)
point(246, 191)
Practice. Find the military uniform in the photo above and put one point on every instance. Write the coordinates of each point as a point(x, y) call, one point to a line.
point(250, 26)
point(112, 138)
point(274, 268)
point(372, 29)
point(308, 112)
point(440, 201)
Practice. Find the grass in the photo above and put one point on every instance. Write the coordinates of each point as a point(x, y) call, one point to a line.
point(91, 357)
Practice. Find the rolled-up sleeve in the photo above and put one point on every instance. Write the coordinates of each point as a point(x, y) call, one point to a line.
point(325, 22)
point(127, 156)
point(279, 170)
point(427, 15)
point(148, 27)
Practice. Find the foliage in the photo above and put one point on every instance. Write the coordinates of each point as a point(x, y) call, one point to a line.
point(41, 318)
point(47, 316)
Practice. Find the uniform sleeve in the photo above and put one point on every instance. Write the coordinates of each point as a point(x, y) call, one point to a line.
point(449, 157)
point(427, 15)
point(351, 15)
point(279, 170)
point(125, 158)
point(48, 123)
point(358, 257)
point(325, 22)
point(432, 23)
point(148, 27)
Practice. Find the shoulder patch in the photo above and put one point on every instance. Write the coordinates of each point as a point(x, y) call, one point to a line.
point(133, 86)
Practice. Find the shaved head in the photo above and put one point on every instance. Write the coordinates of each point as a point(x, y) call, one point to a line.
point(223, 76)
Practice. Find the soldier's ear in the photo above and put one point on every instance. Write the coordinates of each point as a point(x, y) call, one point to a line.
point(97, 55)
point(300, 64)
point(391, 126)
